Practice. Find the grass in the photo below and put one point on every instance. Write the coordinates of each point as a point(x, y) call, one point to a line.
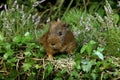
point(23, 58)
point(104, 30)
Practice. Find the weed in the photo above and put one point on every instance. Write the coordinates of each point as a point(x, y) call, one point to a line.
point(22, 58)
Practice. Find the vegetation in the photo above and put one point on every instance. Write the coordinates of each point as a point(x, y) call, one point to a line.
point(96, 26)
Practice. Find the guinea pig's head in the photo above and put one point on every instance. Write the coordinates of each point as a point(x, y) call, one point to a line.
point(57, 33)
point(59, 29)
point(54, 42)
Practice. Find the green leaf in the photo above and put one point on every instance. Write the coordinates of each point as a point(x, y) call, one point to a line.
point(87, 67)
point(27, 34)
point(98, 52)
point(1, 37)
point(92, 42)
point(90, 46)
point(94, 76)
point(116, 18)
point(12, 60)
point(17, 39)
point(38, 66)
point(7, 46)
point(27, 66)
point(27, 53)
point(48, 69)
point(31, 46)
point(8, 54)
point(77, 66)
point(71, 78)
point(27, 37)
point(74, 73)
point(100, 49)
point(83, 48)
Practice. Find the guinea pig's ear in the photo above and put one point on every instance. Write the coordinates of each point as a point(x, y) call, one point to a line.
point(51, 23)
point(58, 20)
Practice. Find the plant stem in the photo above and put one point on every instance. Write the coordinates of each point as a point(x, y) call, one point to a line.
point(68, 8)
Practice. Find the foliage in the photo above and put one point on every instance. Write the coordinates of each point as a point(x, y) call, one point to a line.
point(104, 29)
point(97, 36)
point(16, 21)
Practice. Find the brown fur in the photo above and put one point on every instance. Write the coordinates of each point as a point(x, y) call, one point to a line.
point(59, 38)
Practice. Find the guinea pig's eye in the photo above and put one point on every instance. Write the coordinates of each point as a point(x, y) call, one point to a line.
point(60, 33)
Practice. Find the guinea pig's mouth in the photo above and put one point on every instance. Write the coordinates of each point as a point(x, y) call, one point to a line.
point(55, 49)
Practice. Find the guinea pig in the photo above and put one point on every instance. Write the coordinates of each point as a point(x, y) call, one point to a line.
point(58, 39)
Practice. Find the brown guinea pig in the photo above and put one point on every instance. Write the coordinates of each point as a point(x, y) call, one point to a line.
point(58, 39)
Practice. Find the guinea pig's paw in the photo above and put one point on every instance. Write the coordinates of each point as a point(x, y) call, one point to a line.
point(50, 57)
point(70, 52)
